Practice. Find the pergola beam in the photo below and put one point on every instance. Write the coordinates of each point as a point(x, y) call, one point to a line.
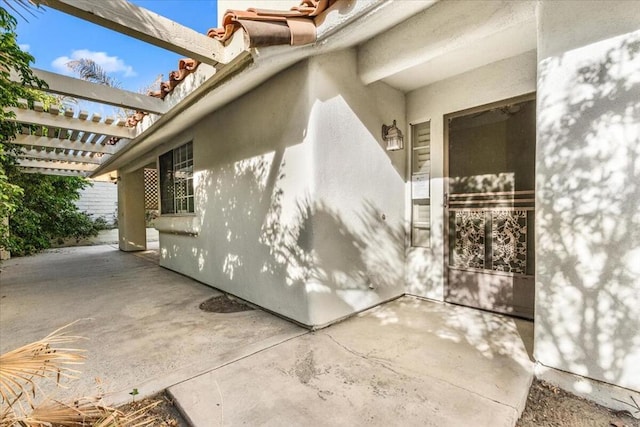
point(53, 172)
point(65, 144)
point(77, 88)
point(52, 155)
point(134, 21)
point(60, 121)
point(46, 164)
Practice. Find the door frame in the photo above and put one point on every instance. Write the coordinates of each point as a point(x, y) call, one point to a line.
point(531, 96)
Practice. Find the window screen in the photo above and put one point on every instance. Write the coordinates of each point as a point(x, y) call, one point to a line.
point(176, 181)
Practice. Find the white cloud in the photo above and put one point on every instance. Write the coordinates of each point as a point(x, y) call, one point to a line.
point(24, 47)
point(60, 65)
point(110, 64)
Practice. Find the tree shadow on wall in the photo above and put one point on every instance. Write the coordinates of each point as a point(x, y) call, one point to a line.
point(588, 233)
point(262, 235)
point(323, 246)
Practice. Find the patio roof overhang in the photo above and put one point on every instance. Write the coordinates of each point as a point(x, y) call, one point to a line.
point(63, 141)
point(78, 143)
point(344, 25)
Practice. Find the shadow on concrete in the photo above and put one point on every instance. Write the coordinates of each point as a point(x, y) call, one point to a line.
point(143, 326)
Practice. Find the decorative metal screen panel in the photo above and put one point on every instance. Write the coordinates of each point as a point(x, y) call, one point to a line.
point(509, 241)
point(151, 189)
point(469, 246)
point(491, 239)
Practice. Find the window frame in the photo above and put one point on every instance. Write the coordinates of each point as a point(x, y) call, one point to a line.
point(420, 174)
point(180, 190)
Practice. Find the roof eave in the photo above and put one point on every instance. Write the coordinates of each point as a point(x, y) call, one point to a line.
point(252, 67)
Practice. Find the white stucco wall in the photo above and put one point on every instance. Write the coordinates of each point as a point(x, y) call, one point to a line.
point(501, 80)
point(449, 38)
point(588, 190)
point(291, 186)
point(252, 167)
point(358, 209)
point(99, 200)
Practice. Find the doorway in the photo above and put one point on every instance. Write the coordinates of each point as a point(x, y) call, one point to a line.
point(490, 207)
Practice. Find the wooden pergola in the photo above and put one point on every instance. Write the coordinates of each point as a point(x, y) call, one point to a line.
point(63, 141)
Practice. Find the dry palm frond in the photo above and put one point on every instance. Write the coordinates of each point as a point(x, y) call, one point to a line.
point(83, 412)
point(23, 368)
point(53, 412)
point(133, 418)
point(41, 359)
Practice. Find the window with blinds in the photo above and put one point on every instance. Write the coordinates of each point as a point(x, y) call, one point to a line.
point(420, 179)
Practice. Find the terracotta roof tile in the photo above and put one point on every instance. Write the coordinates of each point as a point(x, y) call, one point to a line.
point(264, 27)
point(186, 66)
point(133, 119)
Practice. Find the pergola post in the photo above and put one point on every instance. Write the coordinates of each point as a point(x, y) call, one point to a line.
point(132, 234)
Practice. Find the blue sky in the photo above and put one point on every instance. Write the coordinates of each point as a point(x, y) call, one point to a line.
point(54, 38)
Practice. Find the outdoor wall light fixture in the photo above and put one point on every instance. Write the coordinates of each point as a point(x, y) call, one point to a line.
point(393, 137)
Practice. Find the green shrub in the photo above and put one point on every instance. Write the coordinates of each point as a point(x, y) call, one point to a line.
point(46, 212)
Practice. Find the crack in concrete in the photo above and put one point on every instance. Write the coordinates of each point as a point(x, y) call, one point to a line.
point(364, 356)
point(237, 359)
point(379, 362)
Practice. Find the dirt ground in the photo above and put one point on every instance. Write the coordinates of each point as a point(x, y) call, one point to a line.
point(224, 304)
point(549, 406)
point(164, 413)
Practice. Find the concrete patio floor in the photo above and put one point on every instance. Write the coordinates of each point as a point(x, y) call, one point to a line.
point(407, 362)
point(144, 328)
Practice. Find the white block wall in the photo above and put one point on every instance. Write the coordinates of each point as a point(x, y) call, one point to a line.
point(100, 200)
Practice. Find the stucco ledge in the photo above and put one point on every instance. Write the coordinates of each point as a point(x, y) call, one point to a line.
point(186, 225)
